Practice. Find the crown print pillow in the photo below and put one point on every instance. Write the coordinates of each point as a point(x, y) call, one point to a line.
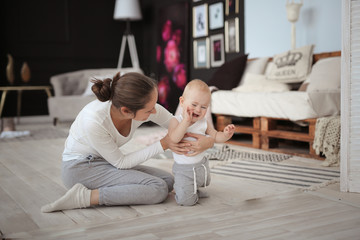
point(292, 66)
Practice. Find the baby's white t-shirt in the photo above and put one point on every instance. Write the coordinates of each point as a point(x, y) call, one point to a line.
point(198, 127)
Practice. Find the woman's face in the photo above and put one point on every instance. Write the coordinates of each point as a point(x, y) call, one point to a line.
point(143, 114)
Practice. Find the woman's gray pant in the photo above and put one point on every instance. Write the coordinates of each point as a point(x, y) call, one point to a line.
point(138, 185)
point(188, 177)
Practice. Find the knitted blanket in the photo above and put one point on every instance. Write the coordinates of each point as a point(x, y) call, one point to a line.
point(327, 139)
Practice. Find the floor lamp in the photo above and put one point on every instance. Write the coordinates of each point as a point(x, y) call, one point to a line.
point(293, 11)
point(128, 10)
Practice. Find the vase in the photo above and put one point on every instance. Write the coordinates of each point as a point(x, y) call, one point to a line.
point(10, 70)
point(25, 73)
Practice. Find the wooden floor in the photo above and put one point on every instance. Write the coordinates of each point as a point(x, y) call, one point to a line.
point(236, 209)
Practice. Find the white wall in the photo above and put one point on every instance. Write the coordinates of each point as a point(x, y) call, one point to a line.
point(350, 97)
point(268, 32)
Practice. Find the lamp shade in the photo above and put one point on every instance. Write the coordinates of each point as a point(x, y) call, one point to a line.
point(127, 10)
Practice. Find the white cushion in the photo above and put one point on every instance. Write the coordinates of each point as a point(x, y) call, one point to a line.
point(256, 66)
point(292, 66)
point(325, 75)
point(268, 68)
point(259, 83)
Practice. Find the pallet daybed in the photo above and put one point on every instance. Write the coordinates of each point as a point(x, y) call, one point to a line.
point(272, 131)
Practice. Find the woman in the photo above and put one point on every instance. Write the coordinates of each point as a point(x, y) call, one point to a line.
point(95, 169)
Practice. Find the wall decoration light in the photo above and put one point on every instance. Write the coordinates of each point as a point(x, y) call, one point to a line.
point(293, 12)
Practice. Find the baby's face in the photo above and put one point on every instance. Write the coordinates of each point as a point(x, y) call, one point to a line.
point(197, 102)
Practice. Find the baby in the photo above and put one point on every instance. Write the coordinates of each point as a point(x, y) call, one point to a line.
point(191, 172)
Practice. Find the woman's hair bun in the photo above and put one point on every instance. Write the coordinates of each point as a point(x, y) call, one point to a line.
point(102, 89)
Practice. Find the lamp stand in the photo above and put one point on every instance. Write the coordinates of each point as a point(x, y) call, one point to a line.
point(130, 39)
point(293, 36)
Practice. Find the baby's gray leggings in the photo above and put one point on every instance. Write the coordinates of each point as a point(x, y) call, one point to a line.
point(185, 187)
point(138, 185)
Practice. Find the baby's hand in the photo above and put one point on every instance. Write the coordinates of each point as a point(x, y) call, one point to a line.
point(188, 115)
point(229, 130)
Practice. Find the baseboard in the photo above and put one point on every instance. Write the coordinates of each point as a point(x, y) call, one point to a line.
point(33, 119)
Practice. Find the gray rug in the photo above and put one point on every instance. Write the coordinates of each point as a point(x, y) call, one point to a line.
point(266, 167)
point(309, 178)
point(225, 153)
point(39, 134)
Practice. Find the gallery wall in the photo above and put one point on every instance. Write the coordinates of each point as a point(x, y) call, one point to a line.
point(268, 32)
point(205, 73)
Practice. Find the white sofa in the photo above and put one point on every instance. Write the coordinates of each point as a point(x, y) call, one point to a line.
point(258, 96)
point(72, 91)
point(264, 107)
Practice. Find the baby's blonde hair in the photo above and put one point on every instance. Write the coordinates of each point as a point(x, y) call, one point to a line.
point(197, 84)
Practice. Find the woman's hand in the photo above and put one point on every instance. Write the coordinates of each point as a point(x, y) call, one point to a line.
point(201, 144)
point(179, 148)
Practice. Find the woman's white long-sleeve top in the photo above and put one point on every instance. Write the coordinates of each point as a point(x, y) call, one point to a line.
point(93, 133)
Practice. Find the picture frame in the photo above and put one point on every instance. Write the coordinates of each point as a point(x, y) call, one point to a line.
point(232, 43)
point(232, 7)
point(217, 50)
point(201, 53)
point(200, 20)
point(216, 15)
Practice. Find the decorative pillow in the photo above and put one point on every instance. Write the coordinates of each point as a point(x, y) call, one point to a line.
point(325, 75)
point(229, 74)
point(268, 68)
point(88, 91)
point(259, 83)
point(256, 66)
point(292, 66)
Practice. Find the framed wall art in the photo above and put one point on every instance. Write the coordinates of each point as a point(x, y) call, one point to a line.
point(216, 15)
point(200, 20)
point(232, 43)
point(232, 7)
point(201, 53)
point(217, 50)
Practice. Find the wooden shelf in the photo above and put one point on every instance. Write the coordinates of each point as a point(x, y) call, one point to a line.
point(266, 131)
point(303, 137)
point(254, 130)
